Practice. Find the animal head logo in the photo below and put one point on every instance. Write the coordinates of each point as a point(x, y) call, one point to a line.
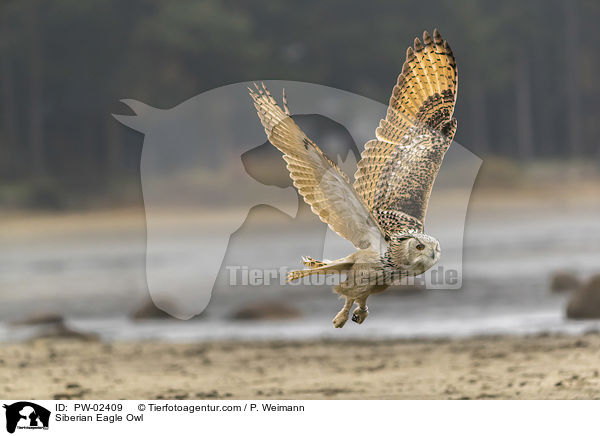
point(201, 159)
point(26, 415)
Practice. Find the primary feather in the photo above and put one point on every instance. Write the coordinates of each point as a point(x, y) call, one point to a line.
point(398, 169)
point(322, 184)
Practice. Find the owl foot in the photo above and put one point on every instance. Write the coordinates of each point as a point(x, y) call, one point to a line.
point(360, 314)
point(340, 319)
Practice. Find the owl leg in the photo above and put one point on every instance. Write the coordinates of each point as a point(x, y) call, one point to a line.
point(361, 312)
point(342, 316)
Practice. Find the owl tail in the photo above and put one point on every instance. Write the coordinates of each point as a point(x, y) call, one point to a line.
point(316, 267)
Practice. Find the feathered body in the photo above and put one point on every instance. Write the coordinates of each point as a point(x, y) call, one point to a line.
point(383, 212)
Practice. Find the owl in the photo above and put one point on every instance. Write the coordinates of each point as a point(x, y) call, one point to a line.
point(383, 212)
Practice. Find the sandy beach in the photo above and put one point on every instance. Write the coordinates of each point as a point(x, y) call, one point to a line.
point(539, 367)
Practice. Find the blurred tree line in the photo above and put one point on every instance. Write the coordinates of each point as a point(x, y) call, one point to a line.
point(528, 84)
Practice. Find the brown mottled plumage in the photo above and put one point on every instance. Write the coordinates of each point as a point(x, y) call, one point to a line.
point(383, 212)
point(397, 170)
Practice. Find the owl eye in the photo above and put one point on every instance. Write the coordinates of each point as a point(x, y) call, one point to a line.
point(420, 247)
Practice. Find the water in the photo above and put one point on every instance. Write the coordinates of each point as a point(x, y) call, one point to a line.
point(95, 278)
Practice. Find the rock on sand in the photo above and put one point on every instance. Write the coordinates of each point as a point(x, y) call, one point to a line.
point(585, 301)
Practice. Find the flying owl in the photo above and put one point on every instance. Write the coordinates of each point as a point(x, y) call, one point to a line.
point(383, 212)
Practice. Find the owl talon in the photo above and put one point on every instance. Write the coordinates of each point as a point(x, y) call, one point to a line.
point(360, 314)
point(340, 320)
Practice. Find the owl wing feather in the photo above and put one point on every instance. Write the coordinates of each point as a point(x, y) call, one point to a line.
point(397, 170)
point(322, 184)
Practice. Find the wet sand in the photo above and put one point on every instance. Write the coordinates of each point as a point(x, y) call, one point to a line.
point(540, 367)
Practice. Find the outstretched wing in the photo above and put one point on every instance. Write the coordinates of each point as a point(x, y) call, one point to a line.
point(322, 184)
point(398, 169)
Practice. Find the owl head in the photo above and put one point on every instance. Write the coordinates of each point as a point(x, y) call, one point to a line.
point(414, 252)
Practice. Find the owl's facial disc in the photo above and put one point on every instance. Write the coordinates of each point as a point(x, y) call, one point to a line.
point(426, 250)
point(417, 252)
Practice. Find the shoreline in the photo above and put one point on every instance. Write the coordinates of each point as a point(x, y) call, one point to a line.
point(545, 366)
